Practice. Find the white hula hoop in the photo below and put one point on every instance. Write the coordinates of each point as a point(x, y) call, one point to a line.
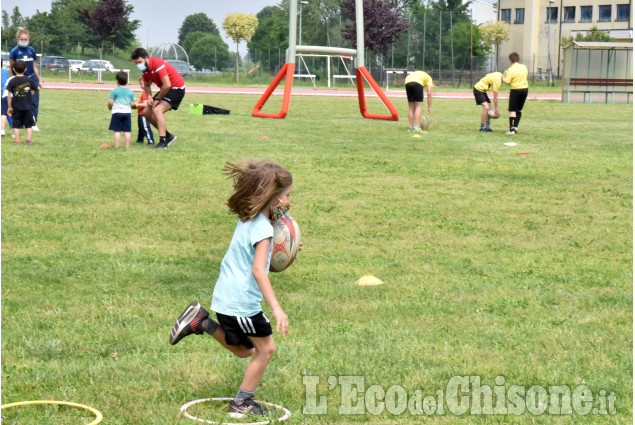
point(97, 413)
point(287, 413)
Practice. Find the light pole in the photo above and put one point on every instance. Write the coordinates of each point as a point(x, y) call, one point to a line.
point(549, 70)
point(149, 27)
point(302, 3)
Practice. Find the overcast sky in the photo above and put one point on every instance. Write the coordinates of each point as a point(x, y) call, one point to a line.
point(161, 19)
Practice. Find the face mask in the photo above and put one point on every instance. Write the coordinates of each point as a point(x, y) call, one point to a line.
point(23, 43)
point(141, 66)
point(279, 210)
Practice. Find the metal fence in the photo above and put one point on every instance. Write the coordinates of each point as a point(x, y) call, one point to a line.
point(394, 75)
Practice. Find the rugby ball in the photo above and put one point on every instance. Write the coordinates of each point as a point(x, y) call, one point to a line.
point(424, 123)
point(286, 243)
point(492, 113)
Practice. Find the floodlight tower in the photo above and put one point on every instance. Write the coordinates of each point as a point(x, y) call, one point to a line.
point(549, 70)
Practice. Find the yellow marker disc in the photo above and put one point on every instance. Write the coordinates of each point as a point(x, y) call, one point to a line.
point(369, 280)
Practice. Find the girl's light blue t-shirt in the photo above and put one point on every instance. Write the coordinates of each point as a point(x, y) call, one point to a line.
point(236, 292)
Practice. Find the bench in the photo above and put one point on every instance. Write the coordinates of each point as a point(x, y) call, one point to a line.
point(603, 86)
point(311, 76)
point(352, 78)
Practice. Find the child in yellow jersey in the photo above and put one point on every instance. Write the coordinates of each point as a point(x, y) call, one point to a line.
point(491, 82)
point(415, 82)
point(516, 77)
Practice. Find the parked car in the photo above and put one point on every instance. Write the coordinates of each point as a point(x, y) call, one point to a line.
point(54, 63)
point(5, 60)
point(95, 64)
point(181, 67)
point(75, 64)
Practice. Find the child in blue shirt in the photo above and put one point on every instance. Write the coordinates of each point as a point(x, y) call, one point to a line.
point(120, 102)
point(261, 195)
point(5, 104)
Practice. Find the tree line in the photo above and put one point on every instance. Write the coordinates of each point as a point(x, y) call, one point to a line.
point(87, 24)
point(422, 34)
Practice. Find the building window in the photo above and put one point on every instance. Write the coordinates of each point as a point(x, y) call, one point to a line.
point(506, 15)
point(552, 14)
point(605, 13)
point(520, 16)
point(568, 14)
point(586, 13)
point(623, 12)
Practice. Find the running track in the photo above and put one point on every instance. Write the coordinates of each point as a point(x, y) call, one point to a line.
point(395, 94)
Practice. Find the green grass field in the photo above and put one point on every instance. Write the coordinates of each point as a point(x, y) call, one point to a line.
point(495, 264)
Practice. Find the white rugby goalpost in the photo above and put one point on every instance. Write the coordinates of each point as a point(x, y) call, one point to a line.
point(361, 73)
point(331, 61)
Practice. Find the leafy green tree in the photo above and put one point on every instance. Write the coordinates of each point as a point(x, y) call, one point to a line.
point(68, 30)
point(459, 9)
point(444, 33)
point(495, 33)
point(10, 25)
point(326, 12)
point(207, 50)
point(61, 29)
point(272, 35)
point(41, 31)
point(198, 22)
point(240, 26)
point(110, 20)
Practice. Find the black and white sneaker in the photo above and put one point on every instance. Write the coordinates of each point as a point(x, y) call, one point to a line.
point(249, 406)
point(188, 322)
point(160, 145)
point(171, 139)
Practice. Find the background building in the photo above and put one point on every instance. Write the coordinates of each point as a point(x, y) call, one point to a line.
point(538, 27)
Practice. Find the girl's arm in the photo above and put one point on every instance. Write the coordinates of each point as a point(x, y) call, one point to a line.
point(260, 274)
point(37, 74)
point(10, 110)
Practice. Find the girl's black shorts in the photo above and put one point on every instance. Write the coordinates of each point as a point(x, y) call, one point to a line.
point(238, 329)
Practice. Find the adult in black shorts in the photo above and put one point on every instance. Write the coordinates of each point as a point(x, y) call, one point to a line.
point(171, 92)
